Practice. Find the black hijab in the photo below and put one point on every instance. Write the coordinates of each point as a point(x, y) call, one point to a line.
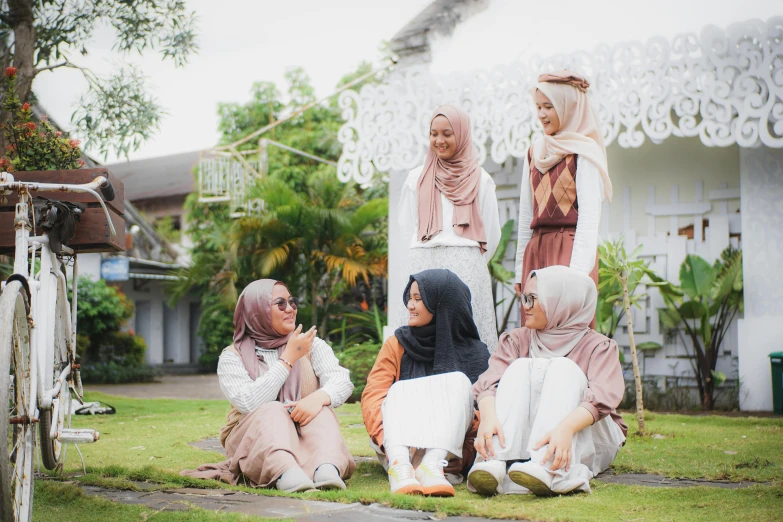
point(450, 343)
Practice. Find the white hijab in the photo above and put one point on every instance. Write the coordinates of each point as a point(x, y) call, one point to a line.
point(568, 298)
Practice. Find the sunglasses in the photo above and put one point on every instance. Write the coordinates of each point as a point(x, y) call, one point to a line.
point(282, 304)
point(528, 300)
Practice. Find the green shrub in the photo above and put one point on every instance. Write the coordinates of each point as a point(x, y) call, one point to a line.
point(107, 354)
point(216, 328)
point(359, 360)
point(114, 373)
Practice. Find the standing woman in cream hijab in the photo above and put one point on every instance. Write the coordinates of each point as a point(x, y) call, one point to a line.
point(565, 180)
point(448, 215)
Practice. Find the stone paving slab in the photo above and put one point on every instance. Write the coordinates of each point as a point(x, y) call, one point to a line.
point(262, 506)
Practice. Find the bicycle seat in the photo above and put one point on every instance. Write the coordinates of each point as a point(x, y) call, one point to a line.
point(58, 219)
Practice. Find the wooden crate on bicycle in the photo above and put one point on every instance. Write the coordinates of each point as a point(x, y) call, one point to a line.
point(92, 231)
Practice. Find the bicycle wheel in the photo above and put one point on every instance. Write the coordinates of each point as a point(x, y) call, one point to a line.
point(52, 451)
point(16, 407)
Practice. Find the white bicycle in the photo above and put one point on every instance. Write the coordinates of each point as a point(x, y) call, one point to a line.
point(38, 370)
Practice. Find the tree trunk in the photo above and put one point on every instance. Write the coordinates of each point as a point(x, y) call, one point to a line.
point(636, 375)
point(21, 20)
point(313, 303)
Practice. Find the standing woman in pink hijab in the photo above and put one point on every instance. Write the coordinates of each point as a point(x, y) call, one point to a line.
point(565, 179)
point(449, 215)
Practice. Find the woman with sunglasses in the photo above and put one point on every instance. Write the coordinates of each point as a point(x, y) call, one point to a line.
point(282, 384)
point(548, 400)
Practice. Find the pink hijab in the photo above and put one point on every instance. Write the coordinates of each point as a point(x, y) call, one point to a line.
point(253, 327)
point(568, 298)
point(458, 178)
point(580, 127)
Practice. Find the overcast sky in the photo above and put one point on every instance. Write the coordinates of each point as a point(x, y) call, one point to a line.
point(241, 42)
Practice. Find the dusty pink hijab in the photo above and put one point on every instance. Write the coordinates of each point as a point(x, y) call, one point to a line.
point(458, 178)
point(580, 126)
point(568, 298)
point(253, 327)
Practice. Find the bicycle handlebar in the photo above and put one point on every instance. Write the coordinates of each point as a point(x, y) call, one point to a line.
point(99, 182)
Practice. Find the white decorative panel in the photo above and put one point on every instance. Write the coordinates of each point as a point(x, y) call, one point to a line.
point(724, 86)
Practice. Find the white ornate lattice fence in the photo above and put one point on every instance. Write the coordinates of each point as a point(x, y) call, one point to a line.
point(724, 86)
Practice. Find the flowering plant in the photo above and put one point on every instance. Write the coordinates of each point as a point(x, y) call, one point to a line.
point(33, 145)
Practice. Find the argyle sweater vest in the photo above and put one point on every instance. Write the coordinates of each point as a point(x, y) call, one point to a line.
point(554, 194)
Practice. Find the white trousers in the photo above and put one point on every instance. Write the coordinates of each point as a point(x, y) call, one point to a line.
point(533, 396)
point(429, 412)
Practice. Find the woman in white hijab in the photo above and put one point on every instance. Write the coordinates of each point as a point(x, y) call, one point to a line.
point(548, 400)
point(565, 179)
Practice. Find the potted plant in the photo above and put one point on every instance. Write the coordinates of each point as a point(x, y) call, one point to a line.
point(37, 151)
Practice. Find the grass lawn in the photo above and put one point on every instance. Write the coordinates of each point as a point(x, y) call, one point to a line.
point(148, 440)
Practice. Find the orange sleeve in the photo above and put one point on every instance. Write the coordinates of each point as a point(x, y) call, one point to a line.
point(384, 373)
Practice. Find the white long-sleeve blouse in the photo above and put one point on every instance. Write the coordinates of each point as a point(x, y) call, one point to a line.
point(589, 194)
point(246, 394)
point(409, 216)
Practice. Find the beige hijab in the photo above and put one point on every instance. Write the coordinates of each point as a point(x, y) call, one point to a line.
point(458, 178)
point(580, 127)
point(568, 298)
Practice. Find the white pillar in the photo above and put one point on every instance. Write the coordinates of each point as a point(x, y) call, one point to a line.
point(398, 254)
point(761, 330)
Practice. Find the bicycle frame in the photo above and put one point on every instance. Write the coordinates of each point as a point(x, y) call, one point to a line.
point(45, 289)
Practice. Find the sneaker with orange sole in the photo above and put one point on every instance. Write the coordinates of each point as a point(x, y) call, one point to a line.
point(402, 480)
point(432, 479)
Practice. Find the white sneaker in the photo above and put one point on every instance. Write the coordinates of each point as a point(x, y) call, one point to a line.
point(486, 477)
point(532, 476)
point(433, 481)
point(402, 479)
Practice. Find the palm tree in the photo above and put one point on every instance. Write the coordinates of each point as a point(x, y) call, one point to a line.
point(318, 241)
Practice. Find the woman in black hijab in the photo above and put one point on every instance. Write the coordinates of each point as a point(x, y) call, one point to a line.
point(418, 395)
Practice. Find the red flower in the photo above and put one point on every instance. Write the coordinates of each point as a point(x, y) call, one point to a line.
point(58, 134)
point(74, 143)
point(30, 125)
point(81, 163)
point(10, 72)
point(9, 168)
point(9, 147)
point(3, 163)
point(26, 107)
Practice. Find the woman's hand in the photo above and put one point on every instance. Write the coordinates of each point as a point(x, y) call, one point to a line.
point(299, 344)
point(559, 440)
point(306, 409)
point(489, 426)
point(518, 289)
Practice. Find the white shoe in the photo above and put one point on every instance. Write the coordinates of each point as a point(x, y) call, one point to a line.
point(533, 477)
point(402, 479)
point(327, 476)
point(486, 477)
point(433, 481)
point(294, 480)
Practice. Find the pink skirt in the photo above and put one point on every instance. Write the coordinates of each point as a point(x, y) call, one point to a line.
point(550, 247)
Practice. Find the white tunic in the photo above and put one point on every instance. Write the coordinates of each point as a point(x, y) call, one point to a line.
point(247, 395)
point(409, 216)
point(589, 194)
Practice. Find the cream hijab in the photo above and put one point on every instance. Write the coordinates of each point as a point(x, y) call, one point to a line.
point(568, 298)
point(580, 127)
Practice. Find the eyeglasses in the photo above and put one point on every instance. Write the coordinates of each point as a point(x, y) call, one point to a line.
point(282, 304)
point(528, 300)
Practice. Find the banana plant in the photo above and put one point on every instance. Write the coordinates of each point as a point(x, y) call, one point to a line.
point(702, 308)
point(501, 276)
